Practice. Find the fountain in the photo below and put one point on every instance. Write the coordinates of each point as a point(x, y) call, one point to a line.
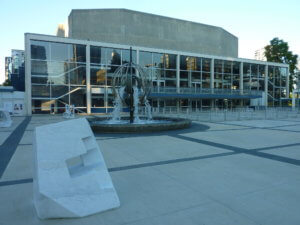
point(131, 87)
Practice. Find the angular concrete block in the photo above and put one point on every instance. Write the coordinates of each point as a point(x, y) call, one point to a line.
point(5, 120)
point(71, 177)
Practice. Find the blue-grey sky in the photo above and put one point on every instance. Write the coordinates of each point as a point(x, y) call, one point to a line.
point(254, 22)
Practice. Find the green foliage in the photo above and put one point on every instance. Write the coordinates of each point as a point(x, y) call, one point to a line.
point(278, 51)
point(7, 82)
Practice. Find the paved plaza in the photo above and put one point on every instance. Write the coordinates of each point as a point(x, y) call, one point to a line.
point(236, 172)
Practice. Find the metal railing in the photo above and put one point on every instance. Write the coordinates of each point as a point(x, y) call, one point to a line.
point(219, 115)
point(174, 90)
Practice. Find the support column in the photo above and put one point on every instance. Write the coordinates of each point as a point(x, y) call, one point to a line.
point(138, 57)
point(241, 83)
point(266, 85)
point(88, 80)
point(28, 101)
point(178, 81)
point(212, 79)
point(241, 77)
point(178, 73)
point(293, 100)
point(287, 83)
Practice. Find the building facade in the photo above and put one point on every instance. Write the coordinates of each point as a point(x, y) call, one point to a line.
point(7, 67)
point(128, 27)
point(63, 71)
point(14, 69)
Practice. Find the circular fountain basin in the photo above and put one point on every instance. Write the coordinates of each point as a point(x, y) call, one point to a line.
point(104, 125)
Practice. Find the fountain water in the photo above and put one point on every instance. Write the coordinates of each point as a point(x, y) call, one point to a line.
point(136, 102)
point(118, 106)
point(148, 109)
point(131, 86)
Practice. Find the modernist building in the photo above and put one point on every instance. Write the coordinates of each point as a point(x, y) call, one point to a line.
point(7, 67)
point(14, 69)
point(192, 65)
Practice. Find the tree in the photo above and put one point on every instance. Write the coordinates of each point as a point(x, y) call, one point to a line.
point(7, 82)
point(278, 51)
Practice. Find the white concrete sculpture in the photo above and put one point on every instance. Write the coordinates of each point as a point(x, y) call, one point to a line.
point(5, 120)
point(69, 113)
point(71, 178)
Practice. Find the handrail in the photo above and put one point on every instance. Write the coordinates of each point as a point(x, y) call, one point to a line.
point(57, 98)
point(272, 83)
point(59, 75)
point(203, 91)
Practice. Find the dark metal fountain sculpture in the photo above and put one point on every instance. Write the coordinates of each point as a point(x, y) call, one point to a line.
point(131, 87)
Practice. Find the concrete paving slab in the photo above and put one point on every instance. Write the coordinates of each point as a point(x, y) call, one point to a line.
point(295, 128)
point(290, 152)
point(224, 178)
point(224, 185)
point(3, 136)
point(220, 126)
point(27, 137)
point(275, 206)
point(156, 148)
point(261, 123)
point(20, 166)
point(252, 138)
point(137, 189)
point(209, 214)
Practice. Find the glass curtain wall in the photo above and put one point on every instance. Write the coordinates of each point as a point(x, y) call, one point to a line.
point(104, 63)
point(195, 75)
point(162, 69)
point(277, 85)
point(58, 76)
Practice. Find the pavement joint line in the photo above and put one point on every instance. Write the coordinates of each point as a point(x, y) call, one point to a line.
point(243, 150)
point(134, 136)
point(135, 166)
point(9, 146)
point(264, 128)
point(292, 131)
point(235, 150)
point(274, 147)
point(289, 120)
point(165, 162)
point(210, 143)
point(14, 182)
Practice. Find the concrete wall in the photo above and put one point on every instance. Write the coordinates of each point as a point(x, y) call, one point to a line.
point(122, 26)
point(13, 102)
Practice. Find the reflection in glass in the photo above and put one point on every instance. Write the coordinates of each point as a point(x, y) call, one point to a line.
point(218, 66)
point(60, 51)
point(40, 91)
point(261, 70)
point(158, 60)
point(126, 56)
point(113, 56)
point(227, 67)
point(145, 59)
point(40, 50)
point(170, 73)
point(169, 61)
point(98, 76)
point(206, 65)
point(97, 55)
point(236, 68)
